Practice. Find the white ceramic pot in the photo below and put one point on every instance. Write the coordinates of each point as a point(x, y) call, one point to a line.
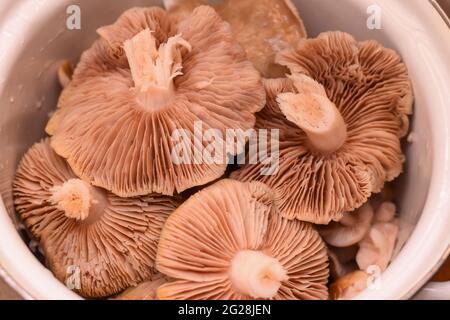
point(34, 39)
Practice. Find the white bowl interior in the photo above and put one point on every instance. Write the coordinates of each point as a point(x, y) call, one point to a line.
point(29, 91)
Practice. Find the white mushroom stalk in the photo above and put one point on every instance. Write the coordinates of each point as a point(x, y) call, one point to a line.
point(154, 69)
point(256, 274)
point(312, 111)
point(76, 198)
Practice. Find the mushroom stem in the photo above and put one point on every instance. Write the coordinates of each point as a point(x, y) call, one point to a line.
point(314, 113)
point(153, 69)
point(75, 197)
point(255, 274)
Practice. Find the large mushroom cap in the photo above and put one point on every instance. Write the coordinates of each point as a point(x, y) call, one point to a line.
point(108, 241)
point(137, 97)
point(341, 116)
point(143, 291)
point(262, 27)
point(227, 242)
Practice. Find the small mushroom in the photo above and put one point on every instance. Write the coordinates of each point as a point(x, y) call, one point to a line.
point(143, 291)
point(138, 93)
point(341, 115)
point(228, 242)
point(106, 242)
point(342, 261)
point(377, 247)
point(349, 286)
point(443, 273)
point(262, 27)
point(350, 229)
point(345, 254)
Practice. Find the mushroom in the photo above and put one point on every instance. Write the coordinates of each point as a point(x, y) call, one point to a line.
point(143, 291)
point(262, 27)
point(228, 242)
point(377, 247)
point(106, 242)
point(137, 96)
point(385, 212)
point(341, 116)
point(337, 268)
point(350, 229)
point(349, 286)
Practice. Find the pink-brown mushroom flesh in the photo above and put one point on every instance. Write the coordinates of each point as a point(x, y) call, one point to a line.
point(377, 247)
point(228, 242)
point(349, 286)
point(108, 242)
point(341, 115)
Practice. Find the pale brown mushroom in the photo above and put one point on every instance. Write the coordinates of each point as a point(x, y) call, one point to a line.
point(350, 229)
point(228, 242)
point(108, 243)
point(262, 27)
point(143, 291)
point(143, 81)
point(377, 247)
point(342, 261)
point(65, 73)
point(341, 116)
point(349, 286)
point(183, 8)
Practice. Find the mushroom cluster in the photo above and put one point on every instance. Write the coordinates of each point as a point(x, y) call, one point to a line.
point(125, 203)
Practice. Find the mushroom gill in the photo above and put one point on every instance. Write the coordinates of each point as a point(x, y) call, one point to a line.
point(341, 115)
point(228, 242)
point(106, 242)
point(127, 121)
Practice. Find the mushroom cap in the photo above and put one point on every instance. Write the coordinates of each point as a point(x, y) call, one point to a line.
point(112, 249)
point(110, 140)
point(443, 273)
point(339, 268)
point(350, 229)
point(228, 221)
point(370, 87)
point(262, 27)
point(349, 285)
point(143, 291)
